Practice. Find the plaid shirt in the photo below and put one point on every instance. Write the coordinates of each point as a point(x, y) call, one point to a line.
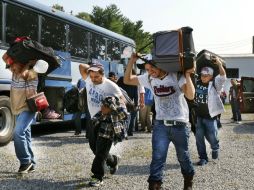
point(111, 126)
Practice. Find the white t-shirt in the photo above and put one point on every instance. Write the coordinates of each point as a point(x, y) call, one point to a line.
point(170, 103)
point(96, 93)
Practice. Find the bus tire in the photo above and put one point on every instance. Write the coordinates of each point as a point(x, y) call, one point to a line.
point(7, 121)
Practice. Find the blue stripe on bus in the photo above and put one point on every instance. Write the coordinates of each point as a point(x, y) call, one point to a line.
point(5, 81)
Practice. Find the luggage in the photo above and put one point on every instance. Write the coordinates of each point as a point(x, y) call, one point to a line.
point(71, 100)
point(24, 49)
point(174, 50)
point(204, 59)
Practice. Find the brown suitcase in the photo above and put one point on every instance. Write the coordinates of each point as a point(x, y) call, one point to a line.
point(174, 50)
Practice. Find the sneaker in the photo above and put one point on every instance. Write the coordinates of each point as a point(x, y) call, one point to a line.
point(113, 170)
point(94, 182)
point(77, 133)
point(24, 168)
point(238, 122)
point(202, 162)
point(32, 169)
point(215, 154)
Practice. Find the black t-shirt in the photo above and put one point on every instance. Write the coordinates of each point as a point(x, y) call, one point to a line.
point(202, 100)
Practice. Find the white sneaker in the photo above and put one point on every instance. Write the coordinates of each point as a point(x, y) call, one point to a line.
point(238, 122)
point(94, 182)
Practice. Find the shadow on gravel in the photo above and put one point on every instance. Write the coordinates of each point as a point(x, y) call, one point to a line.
point(133, 170)
point(245, 128)
point(20, 182)
point(60, 141)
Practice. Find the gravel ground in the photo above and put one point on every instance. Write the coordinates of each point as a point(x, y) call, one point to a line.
point(64, 162)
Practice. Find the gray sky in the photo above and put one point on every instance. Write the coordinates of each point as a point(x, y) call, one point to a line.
point(221, 26)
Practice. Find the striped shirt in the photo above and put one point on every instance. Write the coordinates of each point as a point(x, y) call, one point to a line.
point(20, 90)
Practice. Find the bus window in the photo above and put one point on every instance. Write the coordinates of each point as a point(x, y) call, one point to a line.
point(53, 33)
point(20, 22)
point(98, 47)
point(113, 50)
point(1, 22)
point(78, 44)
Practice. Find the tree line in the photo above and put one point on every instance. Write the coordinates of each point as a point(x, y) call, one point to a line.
point(112, 19)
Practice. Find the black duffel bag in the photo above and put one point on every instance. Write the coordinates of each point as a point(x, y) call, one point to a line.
point(25, 49)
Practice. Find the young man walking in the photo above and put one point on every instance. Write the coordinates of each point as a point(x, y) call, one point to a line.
point(172, 117)
point(209, 107)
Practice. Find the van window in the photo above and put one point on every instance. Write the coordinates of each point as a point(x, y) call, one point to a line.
point(20, 22)
point(248, 85)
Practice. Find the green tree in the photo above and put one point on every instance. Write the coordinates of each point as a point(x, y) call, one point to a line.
point(135, 32)
point(58, 7)
point(84, 16)
point(110, 18)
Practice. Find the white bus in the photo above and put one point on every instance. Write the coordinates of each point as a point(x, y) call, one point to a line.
point(75, 39)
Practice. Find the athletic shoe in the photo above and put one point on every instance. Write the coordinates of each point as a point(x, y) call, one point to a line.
point(215, 154)
point(202, 162)
point(24, 168)
point(113, 170)
point(94, 182)
point(32, 169)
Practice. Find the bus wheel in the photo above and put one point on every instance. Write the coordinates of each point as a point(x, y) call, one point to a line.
point(7, 121)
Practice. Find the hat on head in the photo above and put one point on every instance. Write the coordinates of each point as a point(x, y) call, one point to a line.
point(96, 67)
point(207, 71)
point(112, 102)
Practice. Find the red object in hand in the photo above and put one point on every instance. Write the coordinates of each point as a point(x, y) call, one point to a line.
point(41, 103)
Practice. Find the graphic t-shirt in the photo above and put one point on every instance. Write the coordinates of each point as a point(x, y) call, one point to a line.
point(96, 93)
point(170, 103)
point(202, 99)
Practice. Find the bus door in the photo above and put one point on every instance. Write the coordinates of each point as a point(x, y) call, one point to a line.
point(55, 84)
point(247, 95)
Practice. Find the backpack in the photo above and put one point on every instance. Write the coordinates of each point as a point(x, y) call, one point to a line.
point(71, 100)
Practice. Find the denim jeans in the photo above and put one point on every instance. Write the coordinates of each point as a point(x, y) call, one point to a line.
point(133, 116)
point(236, 110)
point(206, 129)
point(22, 137)
point(161, 138)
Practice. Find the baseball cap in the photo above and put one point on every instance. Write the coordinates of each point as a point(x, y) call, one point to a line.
point(96, 67)
point(207, 71)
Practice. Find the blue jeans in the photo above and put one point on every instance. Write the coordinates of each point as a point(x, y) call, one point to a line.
point(133, 116)
point(22, 137)
point(161, 137)
point(206, 128)
point(236, 110)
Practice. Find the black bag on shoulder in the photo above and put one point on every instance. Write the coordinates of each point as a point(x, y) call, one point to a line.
point(25, 49)
point(130, 105)
point(205, 59)
point(71, 100)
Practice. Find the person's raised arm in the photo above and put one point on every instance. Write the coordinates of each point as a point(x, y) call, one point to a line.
point(188, 88)
point(83, 70)
point(129, 78)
